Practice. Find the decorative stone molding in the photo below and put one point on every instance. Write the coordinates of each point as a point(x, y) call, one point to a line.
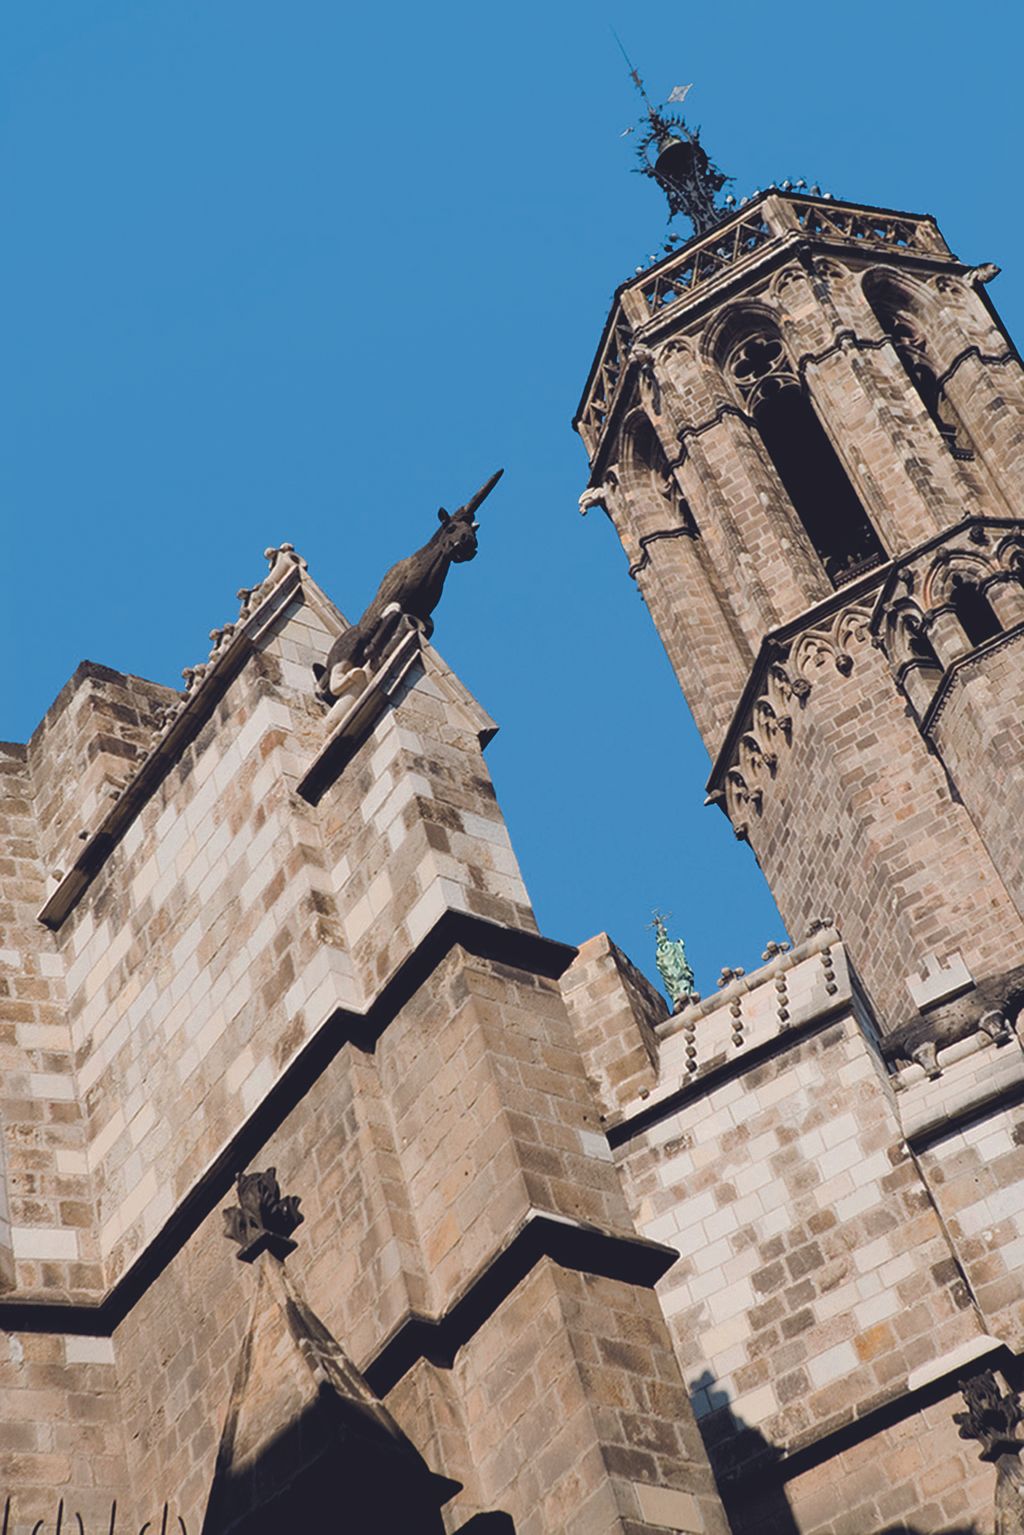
point(766, 728)
point(789, 275)
point(645, 360)
point(917, 628)
point(264, 1218)
point(952, 1008)
point(836, 644)
point(766, 732)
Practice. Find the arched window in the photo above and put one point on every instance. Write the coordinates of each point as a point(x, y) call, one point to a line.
point(975, 613)
point(893, 313)
point(804, 458)
point(648, 471)
point(920, 646)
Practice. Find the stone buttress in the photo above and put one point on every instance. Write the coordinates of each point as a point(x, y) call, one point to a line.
point(242, 932)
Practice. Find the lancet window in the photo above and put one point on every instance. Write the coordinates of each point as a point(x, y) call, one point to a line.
point(648, 471)
point(804, 458)
point(976, 615)
point(894, 314)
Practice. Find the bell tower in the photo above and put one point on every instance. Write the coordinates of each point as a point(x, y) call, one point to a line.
point(806, 424)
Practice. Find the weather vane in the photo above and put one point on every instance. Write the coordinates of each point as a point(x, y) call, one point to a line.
point(680, 164)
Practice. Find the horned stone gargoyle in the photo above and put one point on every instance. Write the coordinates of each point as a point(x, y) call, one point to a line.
point(411, 589)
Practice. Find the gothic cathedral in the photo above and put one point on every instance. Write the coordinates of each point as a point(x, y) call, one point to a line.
point(333, 1192)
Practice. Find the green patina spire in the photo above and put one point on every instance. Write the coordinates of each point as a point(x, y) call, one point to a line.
point(673, 966)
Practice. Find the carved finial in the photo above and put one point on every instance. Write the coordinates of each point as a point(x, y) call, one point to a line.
point(773, 949)
point(673, 966)
point(193, 675)
point(280, 559)
point(263, 1220)
point(728, 974)
point(992, 1417)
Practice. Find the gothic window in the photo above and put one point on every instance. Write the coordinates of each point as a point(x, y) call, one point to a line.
point(921, 648)
point(975, 613)
point(804, 458)
point(648, 471)
point(893, 315)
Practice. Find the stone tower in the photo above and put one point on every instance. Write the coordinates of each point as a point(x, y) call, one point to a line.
point(565, 1263)
point(807, 427)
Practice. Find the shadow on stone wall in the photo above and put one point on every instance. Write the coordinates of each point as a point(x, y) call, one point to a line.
point(330, 1466)
point(747, 1470)
point(744, 1464)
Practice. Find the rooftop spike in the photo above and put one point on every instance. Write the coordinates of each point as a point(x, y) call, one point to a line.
point(671, 153)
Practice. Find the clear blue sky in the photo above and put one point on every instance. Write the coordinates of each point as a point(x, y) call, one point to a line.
point(305, 271)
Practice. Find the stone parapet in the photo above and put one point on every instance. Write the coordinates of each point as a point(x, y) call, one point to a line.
point(816, 1284)
point(794, 988)
point(972, 1075)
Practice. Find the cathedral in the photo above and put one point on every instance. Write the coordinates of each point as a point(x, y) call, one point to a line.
point(333, 1191)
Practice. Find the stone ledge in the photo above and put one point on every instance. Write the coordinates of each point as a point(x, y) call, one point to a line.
point(793, 993)
point(541, 1234)
point(784, 1463)
point(351, 720)
point(975, 1074)
point(196, 709)
point(483, 939)
point(642, 1115)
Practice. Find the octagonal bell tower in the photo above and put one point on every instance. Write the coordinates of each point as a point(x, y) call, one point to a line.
point(806, 424)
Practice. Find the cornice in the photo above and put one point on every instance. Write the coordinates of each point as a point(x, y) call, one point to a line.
point(953, 674)
point(515, 947)
point(774, 647)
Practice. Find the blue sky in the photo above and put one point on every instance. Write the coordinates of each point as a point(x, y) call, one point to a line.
point(306, 271)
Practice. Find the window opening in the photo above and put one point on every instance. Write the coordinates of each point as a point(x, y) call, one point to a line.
point(912, 350)
point(805, 460)
point(975, 613)
point(920, 646)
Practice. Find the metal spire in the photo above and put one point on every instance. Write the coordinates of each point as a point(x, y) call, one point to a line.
point(671, 153)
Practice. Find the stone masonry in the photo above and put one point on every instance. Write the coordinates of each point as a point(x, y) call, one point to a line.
point(832, 1145)
point(868, 781)
point(237, 935)
point(565, 1264)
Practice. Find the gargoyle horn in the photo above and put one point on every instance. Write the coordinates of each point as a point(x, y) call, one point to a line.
point(465, 513)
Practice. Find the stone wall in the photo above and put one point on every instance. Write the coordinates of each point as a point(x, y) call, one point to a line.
point(848, 1243)
point(977, 735)
point(283, 945)
point(62, 1431)
point(405, 1215)
point(856, 820)
point(48, 1241)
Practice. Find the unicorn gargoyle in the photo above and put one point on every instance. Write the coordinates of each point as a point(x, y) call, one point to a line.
point(410, 591)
